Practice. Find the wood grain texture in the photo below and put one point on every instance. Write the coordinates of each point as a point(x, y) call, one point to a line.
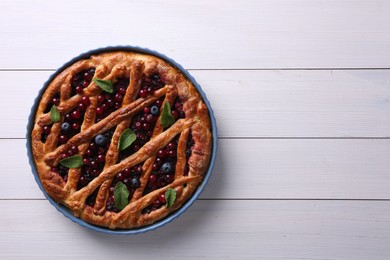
point(203, 34)
point(261, 169)
point(308, 103)
point(295, 125)
point(209, 229)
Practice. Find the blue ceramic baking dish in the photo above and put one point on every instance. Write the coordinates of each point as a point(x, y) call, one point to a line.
point(170, 217)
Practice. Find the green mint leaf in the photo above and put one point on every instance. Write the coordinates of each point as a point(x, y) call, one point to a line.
point(54, 114)
point(126, 139)
point(121, 196)
point(170, 197)
point(105, 85)
point(72, 162)
point(167, 118)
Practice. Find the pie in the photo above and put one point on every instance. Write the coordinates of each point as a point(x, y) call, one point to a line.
point(122, 139)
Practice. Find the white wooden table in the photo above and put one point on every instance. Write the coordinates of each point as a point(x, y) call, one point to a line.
point(301, 93)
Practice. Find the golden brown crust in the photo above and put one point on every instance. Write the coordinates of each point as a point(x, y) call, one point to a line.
point(111, 66)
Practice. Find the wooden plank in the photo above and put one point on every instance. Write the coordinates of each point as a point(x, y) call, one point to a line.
point(309, 103)
point(202, 35)
point(209, 229)
point(344, 103)
point(258, 169)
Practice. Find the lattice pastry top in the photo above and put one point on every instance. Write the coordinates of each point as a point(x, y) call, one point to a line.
point(122, 139)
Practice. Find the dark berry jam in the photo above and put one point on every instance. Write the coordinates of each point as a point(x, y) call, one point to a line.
point(142, 125)
point(54, 101)
point(163, 173)
point(150, 84)
point(81, 80)
point(91, 199)
point(62, 171)
point(45, 133)
point(131, 178)
point(94, 157)
point(73, 121)
point(177, 109)
point(109, 102)
point(190, 144)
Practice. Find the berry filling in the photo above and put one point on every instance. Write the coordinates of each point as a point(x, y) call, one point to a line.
point(161, 201)
point(62, 170)
point(109, 102)
point(94, 158)
point(131, 178)
point(177, 109)
point(150, 84)
point(190, 144)
point(45, 133)
point(54, 101)
point(163, 173)
point(142, 125)
point(81, 80)
point(47, 128)
point(73, 121)
point(92, 198)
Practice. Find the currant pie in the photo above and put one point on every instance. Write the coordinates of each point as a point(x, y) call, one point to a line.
point(122, 139)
